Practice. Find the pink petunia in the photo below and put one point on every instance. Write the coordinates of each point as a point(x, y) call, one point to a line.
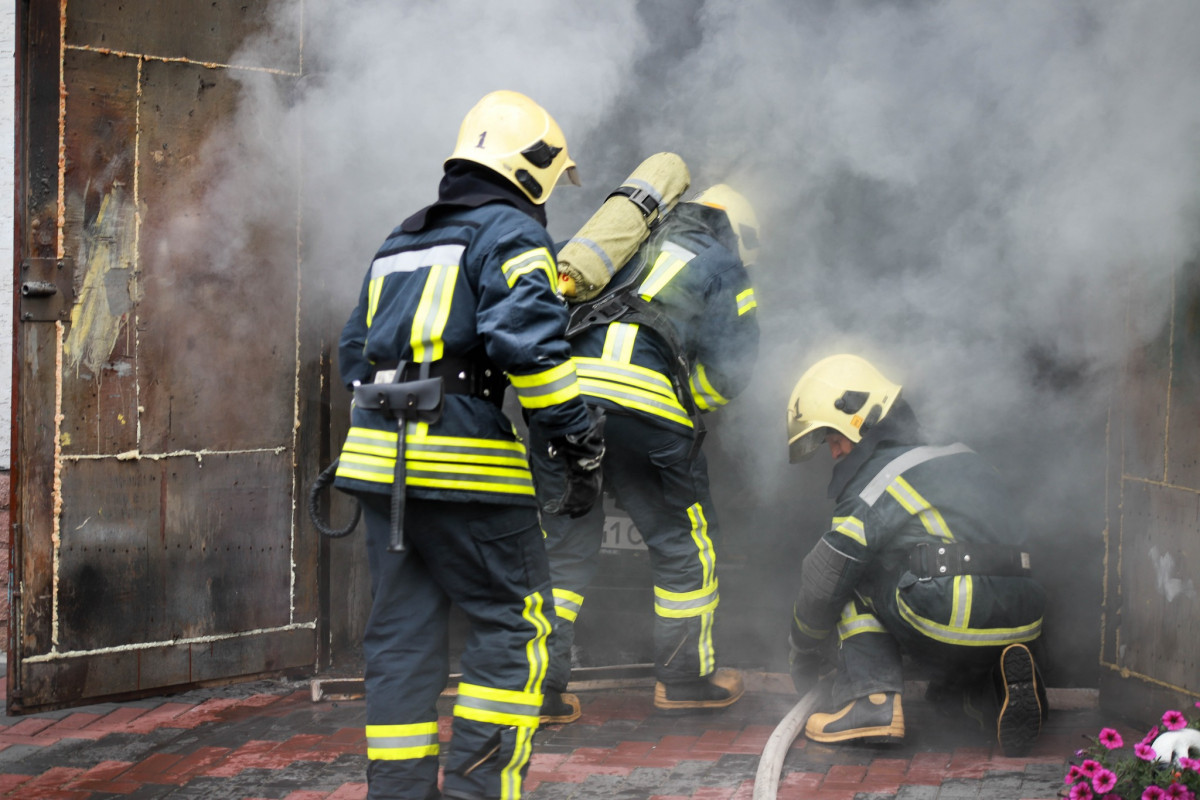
point(1151, 736)
point(1190, 763)
point(1153, 793)
point(1174, 720)
point(1177, 791)
point(1104, 780)
point(1081, 791)
point(1145, 752)
point(1089, 766)
point(1111, 739)
point(1073, 774)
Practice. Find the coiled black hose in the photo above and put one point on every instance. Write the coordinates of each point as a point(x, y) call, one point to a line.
point(314, 505)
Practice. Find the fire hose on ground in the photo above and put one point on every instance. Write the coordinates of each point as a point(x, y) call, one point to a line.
point(770, 764)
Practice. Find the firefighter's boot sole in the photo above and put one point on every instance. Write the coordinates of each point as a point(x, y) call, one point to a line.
point(721, 689)
point(875, 719)
point(559, 708)
point(1022, 701)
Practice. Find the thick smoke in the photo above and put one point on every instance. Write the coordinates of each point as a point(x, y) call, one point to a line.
point(958, 190)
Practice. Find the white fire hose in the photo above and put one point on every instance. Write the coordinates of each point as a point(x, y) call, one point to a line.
point(770, 765)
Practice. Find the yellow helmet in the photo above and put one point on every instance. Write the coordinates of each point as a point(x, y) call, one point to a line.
point(510, 134)
point(842, 392)
point(741, 218)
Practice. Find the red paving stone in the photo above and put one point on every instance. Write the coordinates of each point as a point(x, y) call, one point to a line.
point(619, 738)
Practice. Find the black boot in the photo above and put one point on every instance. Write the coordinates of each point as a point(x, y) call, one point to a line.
point(717, 690)
point(559, 708)
point(1022, 701)
point(875, 719)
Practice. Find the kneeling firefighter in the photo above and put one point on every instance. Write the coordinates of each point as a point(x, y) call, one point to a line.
point(674, 335)
point(459, 301)
point(925, 559)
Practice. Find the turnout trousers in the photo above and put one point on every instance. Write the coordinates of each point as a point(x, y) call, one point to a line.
point(652, 474)
point(487, 559)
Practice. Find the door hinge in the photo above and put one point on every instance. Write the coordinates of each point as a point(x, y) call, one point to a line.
point(47, 288)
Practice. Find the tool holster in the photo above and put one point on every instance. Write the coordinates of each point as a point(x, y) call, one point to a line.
point(421, 400)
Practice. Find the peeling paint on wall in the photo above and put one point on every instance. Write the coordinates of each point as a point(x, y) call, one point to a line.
point(1170, 586)
point(108, 292)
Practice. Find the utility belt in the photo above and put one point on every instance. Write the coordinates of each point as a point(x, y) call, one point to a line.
point(930, 560)
point(459, 376)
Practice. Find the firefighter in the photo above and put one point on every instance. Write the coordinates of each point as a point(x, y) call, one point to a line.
point(684, 344)
point(925, 559)
point(460, 301)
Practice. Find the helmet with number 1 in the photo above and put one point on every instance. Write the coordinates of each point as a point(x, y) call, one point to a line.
point(844, 393)
point(741, 216)
point(510, 134)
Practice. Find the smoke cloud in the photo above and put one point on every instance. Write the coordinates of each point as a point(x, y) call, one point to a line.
point(959, 191)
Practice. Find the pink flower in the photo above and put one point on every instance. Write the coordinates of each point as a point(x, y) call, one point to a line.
point(1080, 791)
point(1153, 793)
point(1089, 766)
point(1151, 736)
point(1190, 763)
point(1177, 791)
point(1104, 780)
point(1145, 752)
point(1174, 720)
point(1111, 739)
point(1073, 774)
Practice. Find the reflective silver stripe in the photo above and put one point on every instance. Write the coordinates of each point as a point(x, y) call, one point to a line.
point(979, 637)
point(647, 380)
point(412, 260)
point(424, 451)
point(392, 742)
point(860, 623)
point(852, 528)
point(423, 471)
point(640, 401)
point(672, 259)
point(899, 465)
point(498, 706)
point(527, 393)
point(599, 251)
point(687, 605)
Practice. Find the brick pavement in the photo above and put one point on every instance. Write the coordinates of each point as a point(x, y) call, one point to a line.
point(268, 741)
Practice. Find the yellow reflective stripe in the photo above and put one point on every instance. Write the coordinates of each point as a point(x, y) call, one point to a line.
point(498, 706)
point(852, 623)
point(535, 650)
point(632, 374)
point(961, 599)
point(912, 502)
point(470, 478)
point(399, 742)
point(429, 323)
point(977, 637)
point(704, 546)
point(703, 392)
point(548, 387)
point(510, 773)
point(746, 302)
point(374, 287)
point(808, 630)
point(672, 259)
point(567, 604)
point(365, 468)
point(619, 340)
point(852, 528)
point(474, 451)
point(634, 399)
point(680, 605)
point(530, 261)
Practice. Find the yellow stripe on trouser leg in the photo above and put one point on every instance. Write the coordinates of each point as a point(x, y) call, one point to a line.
point(401, 742)
point(567, 604)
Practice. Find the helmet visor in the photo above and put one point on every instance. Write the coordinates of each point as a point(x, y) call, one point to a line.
point(569, 175)
point(802, 446)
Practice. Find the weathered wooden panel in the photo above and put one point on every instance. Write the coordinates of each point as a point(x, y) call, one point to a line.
point(217, 339)
point(198, 30)
point(1147, 376)
point(70, 680)
point(207, 552)
point(100, 230)
point(1183, 451)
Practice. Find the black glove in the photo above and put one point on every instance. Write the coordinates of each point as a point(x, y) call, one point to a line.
point(806, 665)
point(581, 454)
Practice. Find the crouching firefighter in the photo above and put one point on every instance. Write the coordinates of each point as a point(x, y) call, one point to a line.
point(925, 559)
point(459, 302)
point(674, 335)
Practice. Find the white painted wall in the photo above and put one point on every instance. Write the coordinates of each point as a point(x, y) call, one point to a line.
point(8, 100)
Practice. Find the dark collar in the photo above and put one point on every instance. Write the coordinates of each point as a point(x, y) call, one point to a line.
point(898, 427)
point(468, 185)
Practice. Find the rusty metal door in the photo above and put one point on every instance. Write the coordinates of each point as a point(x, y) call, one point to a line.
point(161, 400)
point(1149, 649)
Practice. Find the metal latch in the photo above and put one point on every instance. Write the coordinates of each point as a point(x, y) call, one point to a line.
point(47, 289)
